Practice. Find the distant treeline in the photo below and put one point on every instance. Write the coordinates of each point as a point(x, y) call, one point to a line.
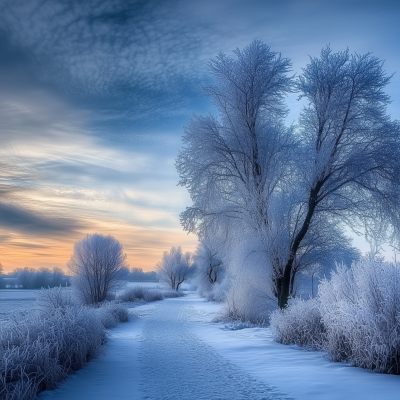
point(29, 278)
point(137, 275)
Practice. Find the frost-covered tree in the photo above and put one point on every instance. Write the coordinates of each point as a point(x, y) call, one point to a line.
point(209, 267)
point(320, 251)
point(232, 163)
point(348, 163)
point(208, 262)
point(96, 264)
point(174, 267)
point(291, 191)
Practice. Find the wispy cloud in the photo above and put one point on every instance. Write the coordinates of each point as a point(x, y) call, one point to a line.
point(59, 181)
point(94, 94)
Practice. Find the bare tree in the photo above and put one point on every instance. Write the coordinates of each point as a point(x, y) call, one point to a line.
point(174, 267)
point(97, 262)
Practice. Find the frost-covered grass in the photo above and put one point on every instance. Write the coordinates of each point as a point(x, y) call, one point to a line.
point(138, 293)
point(42, 347)
point(355, 318)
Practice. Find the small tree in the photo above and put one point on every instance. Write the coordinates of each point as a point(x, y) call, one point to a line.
point(174, 267)
point(209, 264)
point(97, 263)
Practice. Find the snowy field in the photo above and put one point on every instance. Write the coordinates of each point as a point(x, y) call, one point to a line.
point(15, 299)
point(170, 350)
point(23, 299)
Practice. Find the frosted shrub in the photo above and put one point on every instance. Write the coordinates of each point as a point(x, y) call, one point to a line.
point(218, 291)
point(153, 295)
point(245, 303)
point(38, 352)
point(210, 270)
point(111, 314)
point(169, 294)
point(40, 348)
point(48, 300)
point(355, 318)
point(132, 294)
point(299, 324)
point(138, 293)
point(248, 297)
point(360, 309)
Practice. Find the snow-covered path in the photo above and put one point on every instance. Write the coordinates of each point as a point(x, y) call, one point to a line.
point(158, 357)
point(171, 351)
point(176, 364)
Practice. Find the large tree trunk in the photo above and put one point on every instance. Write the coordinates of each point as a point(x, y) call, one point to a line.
point(284, 281)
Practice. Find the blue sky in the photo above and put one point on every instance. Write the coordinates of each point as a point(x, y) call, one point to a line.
point(94, 96)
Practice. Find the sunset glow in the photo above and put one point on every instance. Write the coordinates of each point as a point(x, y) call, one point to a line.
point(94, 97)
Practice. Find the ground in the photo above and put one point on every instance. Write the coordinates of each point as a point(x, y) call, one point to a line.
point(170, 350)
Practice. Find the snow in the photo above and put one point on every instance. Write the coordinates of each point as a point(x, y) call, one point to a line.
point(15, 299)
point(177, 365)
point(115, 375)
point(302, 375)
point(171, 351)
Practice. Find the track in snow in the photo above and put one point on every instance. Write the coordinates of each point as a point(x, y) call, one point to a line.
point(177, 365)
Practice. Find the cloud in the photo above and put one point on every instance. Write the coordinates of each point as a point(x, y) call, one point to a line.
point(94, 95)
point(16, 218)
point(142, 62)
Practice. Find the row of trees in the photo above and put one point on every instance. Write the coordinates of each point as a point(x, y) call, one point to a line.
point(99, 267)
point(275, 200)
point(29, 278)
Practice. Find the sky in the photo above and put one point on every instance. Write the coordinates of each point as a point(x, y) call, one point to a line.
point(94, 96)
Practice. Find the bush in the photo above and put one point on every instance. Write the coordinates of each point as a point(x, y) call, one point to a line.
point(218, 291)
point(138, 293)
point(111, 314)
point(49, 300)
point(246, 300)
point(38, 352)
point(355, 318)
point(153, 295)
point(170, 294)
point(360, 309)
point(299, 324)
point(132, 294)
point(41, 347)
